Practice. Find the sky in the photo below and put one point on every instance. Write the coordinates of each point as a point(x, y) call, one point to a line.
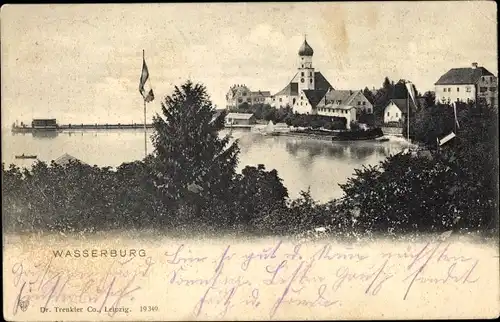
point(82, 63)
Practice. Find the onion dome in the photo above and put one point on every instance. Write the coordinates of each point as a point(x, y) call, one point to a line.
point(305, 49)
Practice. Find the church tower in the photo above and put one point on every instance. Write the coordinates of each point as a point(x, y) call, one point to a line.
point(306, 70)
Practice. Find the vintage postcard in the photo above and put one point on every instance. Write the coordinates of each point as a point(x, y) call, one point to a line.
point(250, 161)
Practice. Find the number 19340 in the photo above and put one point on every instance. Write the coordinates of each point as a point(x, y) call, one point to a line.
point(149, 308)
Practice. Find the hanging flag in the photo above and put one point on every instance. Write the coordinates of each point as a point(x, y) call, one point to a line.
point(145, 84)
point(455, 113)
point(446, 138)
point(411, 92)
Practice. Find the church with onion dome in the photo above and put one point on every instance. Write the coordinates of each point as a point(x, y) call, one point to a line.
point(308, 92)
point(306, 88)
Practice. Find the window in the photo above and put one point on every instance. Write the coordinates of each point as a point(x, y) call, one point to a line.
point(311, 80)
point(449, 90)
point(369, 110)
point(388, 114)
point(302, 65)
point(249, 99)
point(240, 100)
point(302, 97)
point(310, 74)
point(302, 74)
point(396, 114)
point(301, 80)
point(364, 103)
point(444, 89)
point(300, 103)
point(281, 99)
point(483, 89)
point(359, 103)
point(467, 89)
point(493, 89)
point(458, 89)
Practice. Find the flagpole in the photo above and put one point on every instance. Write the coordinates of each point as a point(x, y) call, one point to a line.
point(145, 135)
point(408, 114)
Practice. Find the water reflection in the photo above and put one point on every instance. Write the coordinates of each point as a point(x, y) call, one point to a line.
point(338, 150)
point(300, 162)
point(45, 134)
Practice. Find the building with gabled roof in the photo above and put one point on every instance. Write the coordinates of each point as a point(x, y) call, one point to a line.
point(396, 109)
point(467, 84)
point(240, 119)
point(240, 93)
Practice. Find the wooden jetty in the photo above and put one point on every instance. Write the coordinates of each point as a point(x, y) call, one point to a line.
point(69, 127)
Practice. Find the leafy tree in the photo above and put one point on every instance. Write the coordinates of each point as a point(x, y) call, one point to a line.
point(258, 192)
point(188, 152)
point(244, 106)
point(429, 99)
point(369, 95)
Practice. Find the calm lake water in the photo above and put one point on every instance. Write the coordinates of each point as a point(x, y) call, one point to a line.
point(300, 162)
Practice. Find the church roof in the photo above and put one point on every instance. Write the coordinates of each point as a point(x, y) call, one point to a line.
point(305, 49)
point(320, 82)
point(314, 96)
point(292, 89)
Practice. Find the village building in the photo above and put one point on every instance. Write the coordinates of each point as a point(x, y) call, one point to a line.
point(396, 109)
point(341, 98)
point(240, 119)
point(239, 94)
point(466, 85)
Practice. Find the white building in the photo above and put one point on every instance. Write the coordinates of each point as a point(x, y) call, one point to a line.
point(239, 94)
point(239, 119)
point(396, 109)
point(467, 84)
point(346, 111)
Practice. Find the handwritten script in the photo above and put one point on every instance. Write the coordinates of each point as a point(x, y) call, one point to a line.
point(272, 280)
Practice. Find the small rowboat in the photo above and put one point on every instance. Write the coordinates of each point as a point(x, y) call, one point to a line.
point(22, 156)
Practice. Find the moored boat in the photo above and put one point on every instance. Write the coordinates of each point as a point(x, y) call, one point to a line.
point(356, 135)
